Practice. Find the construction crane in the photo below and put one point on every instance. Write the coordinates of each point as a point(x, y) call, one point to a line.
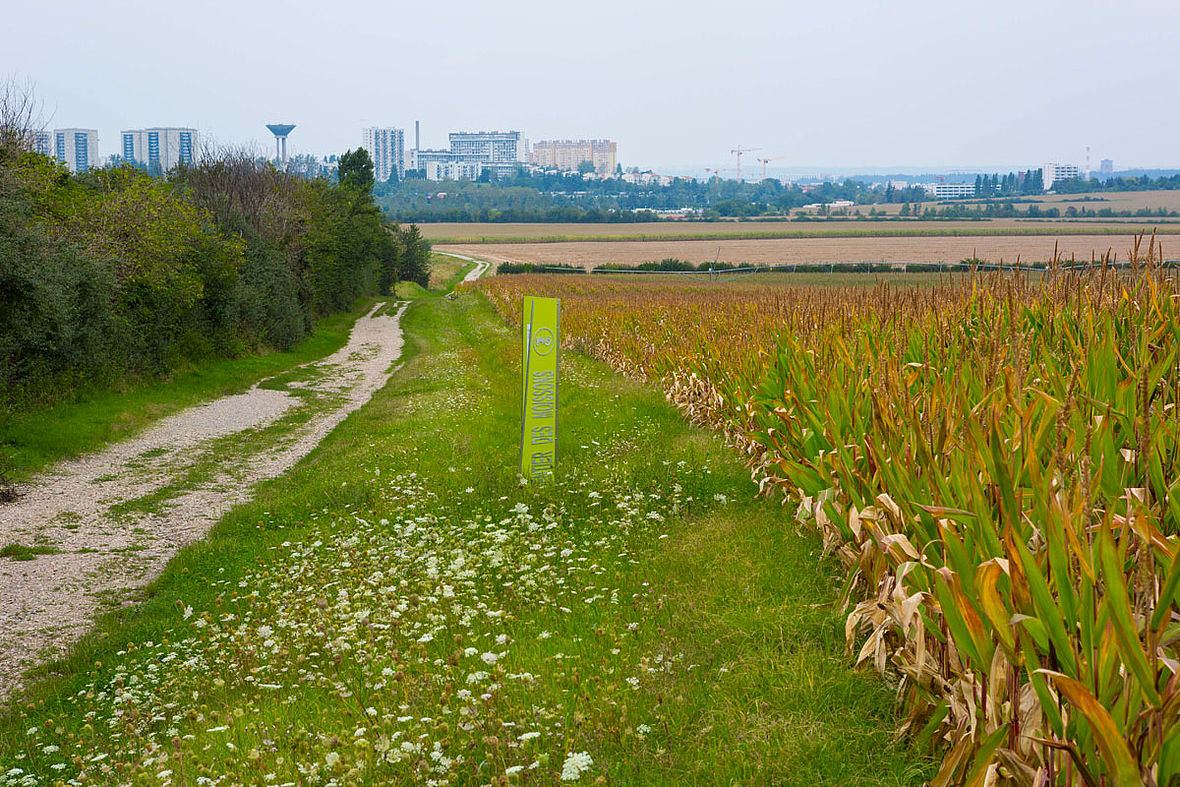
point(738, 151)
point(716, 171)
point(766, 161)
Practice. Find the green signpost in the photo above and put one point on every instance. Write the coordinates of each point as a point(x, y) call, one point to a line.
point(540, 327)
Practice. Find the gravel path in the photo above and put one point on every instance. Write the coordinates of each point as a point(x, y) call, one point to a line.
point(481, 266)
point(195, 465)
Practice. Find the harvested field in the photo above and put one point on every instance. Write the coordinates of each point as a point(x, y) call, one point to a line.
point(642, 231)
point(787, 251)
point(1115, 200)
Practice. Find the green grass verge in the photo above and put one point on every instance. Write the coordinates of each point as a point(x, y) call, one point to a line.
point(32, 440)
point(398, 609)
point(447, 271)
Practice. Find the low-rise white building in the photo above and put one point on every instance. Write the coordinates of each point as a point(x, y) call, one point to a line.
point(1055, 172)
point(950, 190)
point(446, 165)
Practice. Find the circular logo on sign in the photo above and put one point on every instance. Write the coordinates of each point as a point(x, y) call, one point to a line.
point(543, 341)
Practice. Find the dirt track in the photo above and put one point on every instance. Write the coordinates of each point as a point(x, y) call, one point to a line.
point(118, 516)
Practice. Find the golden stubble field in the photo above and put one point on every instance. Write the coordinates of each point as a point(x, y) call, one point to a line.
point(790, 251)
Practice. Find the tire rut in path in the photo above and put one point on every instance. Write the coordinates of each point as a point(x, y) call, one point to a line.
point(109, 547)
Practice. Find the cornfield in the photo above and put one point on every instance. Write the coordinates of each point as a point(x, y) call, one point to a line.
point(995, 460)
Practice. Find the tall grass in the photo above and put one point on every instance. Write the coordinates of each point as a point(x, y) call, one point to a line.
point(997, 465)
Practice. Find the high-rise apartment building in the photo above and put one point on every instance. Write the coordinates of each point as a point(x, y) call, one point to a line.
point(387, 146)
point(42, 143)
point(567, 154)
point(77, 148)
point(1055, 172)
point(1106, 166)
point(159, 149)
point(497, 147)
point(471, 155)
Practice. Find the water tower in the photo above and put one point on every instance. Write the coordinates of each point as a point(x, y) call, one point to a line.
point(281, 130)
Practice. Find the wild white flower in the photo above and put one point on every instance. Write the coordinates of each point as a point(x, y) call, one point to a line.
point(188, 612)
point(513, 769)
point(528, 736)
point(469, 652)
point(332, 759)
point(575, 765)
point(489, 658)
point(265, 631)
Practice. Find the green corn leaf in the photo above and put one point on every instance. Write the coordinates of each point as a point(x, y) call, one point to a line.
point(1117, 601)
point(983, 758)
point(965, 626)
point(1116, 756)
point(1032, 660)
point(1047, 610)
point(1167, 594)
point(995, 607)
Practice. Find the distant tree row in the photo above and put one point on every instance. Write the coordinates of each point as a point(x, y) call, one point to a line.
point(1140, 183)
point(1012, 184)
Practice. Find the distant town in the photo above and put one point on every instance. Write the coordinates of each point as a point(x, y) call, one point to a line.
point(476, 155)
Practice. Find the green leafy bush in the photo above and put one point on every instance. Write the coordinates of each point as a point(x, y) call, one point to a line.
point(116, 272)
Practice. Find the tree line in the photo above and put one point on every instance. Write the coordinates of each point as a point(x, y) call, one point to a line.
point(553, 197)
point(114, 272)
point(1014, 183)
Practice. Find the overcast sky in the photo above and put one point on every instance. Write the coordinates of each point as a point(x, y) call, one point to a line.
point(849, 84)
